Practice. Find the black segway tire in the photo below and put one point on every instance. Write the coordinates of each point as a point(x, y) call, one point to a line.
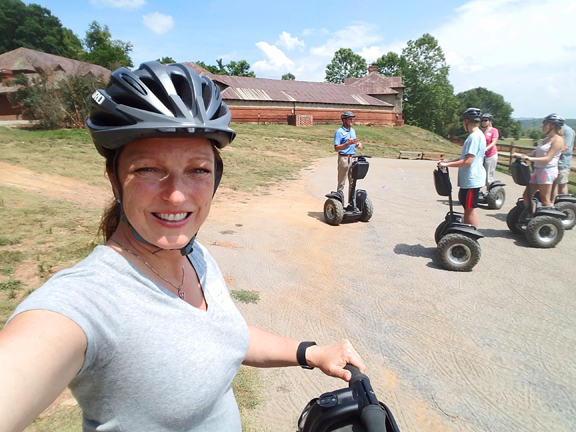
point(438, 232)
point(512, 220)
point(496, 198)
point(569, 209)
point(458, 252)
point(333, 211)
point(367, 210)
point(544, 232)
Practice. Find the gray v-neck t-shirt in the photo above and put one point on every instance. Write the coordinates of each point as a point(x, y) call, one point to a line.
point(154, 362)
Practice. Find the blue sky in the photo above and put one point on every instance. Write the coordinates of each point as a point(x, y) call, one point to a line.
point(523, 49)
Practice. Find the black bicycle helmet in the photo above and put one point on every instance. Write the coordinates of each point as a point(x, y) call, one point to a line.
point(554, 119)
point(487, 116)
point(471, 113)
point(347, 114)
point(158, 101)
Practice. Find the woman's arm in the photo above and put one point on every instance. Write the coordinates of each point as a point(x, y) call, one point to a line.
point(555, 148)
point(270, 350)
point(492, 143)
point(40, 353)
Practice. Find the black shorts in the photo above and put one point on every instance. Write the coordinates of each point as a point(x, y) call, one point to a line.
point(468, 198)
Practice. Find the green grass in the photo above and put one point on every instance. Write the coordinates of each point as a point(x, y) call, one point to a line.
point(245, 296)
point(247, 387)
point(65, 419)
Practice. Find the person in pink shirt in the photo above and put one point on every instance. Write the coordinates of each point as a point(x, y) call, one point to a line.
point(491, 155)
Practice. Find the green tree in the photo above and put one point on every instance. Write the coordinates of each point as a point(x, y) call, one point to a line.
point(534, 134)
point(429, 100)
point(345, 64)
point(240, 68)
point(103, 50)
point(490, 102)
point(234, 68)
point(32, 26)
point(389, 64)
point(288, 77)
point(166, 60)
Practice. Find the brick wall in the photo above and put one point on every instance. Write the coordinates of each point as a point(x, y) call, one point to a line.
point(279, 115)
point(300, 120)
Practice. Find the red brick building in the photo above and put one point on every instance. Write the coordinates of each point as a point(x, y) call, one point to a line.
point(34, 64)
point(259, 100)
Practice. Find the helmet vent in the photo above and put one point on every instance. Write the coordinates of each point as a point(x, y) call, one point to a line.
point(134, 84)
point(158, 91)
point(206, 95)
point(183, 89)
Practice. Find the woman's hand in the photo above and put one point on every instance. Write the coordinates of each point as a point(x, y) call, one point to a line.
point(332, 358)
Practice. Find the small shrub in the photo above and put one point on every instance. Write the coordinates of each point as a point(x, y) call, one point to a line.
point(245, 296)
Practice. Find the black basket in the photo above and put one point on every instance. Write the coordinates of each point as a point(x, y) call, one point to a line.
point(442, 182)
point(359, 169)
point(520, 172)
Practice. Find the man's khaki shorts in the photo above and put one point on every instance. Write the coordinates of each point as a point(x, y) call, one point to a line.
point(562, 176)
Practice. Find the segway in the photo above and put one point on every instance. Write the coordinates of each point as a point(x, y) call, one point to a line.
point(543, 230)
point(359, 205)
point(458, 248)
point(352, 409)
point(566, 203)
point(495, 196)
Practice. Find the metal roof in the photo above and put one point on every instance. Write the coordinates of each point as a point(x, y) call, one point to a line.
point(376, 84)
point(263, 89)
point(25, 60)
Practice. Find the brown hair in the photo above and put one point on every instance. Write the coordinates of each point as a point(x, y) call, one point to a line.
point(112, 212)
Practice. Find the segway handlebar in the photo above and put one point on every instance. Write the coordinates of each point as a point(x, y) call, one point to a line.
point(373, 417)
point(360, 156)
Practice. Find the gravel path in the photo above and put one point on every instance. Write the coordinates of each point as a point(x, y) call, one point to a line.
point(489, 350)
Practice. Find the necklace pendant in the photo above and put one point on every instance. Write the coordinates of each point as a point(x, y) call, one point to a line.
point(181, 294)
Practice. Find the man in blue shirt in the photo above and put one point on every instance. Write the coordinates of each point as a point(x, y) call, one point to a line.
point(345, 143)
point(564, 163)
point(470, 164)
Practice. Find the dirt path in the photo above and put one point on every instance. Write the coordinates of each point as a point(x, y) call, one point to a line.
point(489, 350)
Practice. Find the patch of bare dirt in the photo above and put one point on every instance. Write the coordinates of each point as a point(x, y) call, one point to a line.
point(53, 186)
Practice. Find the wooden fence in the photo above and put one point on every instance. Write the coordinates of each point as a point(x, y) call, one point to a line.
point(505, 155)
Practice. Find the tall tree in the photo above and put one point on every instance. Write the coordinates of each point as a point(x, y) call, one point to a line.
point(103, 50)
point(240, 68)
point(389, 64)
point(345, 64)
point(166, 60)
point(32, 26)
point(429, 100)
point(493, 103)
point(288, 77)
point(234, 68)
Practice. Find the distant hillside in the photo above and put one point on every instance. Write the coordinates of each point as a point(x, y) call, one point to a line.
point(529, 123)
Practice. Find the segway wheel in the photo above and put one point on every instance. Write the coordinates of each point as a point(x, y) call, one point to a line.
point(544, 232)
point(496, 197)
point(367, 210)
point(438, 232)
point(512, 220)
point(458, 252)
point(333, 211)
point(569, 209)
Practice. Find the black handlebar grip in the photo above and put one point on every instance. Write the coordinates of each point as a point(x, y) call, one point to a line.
point(373, 418)
point(356, 374)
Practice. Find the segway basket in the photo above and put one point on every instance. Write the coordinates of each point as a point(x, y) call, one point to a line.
point(520, 172)
point(359, 168)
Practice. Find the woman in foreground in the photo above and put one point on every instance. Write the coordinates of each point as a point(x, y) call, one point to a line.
point(143, 330)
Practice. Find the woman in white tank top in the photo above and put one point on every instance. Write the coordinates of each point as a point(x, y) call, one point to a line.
point(545, 158)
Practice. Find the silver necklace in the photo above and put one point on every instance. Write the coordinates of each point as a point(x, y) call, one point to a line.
point(181, 293)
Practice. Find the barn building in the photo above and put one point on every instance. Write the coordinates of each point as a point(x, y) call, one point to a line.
point(374, 99)
point(35, 64)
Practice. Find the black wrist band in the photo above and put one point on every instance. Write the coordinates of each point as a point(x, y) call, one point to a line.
point(301, 354)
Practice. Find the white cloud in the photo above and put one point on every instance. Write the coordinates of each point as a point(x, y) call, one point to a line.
point(354, 37)
point(158, 23)
point(371, 54)
point(522, 50)
point(276, 63)
point(289, 42)
point(307, 32)
point(121, 4)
